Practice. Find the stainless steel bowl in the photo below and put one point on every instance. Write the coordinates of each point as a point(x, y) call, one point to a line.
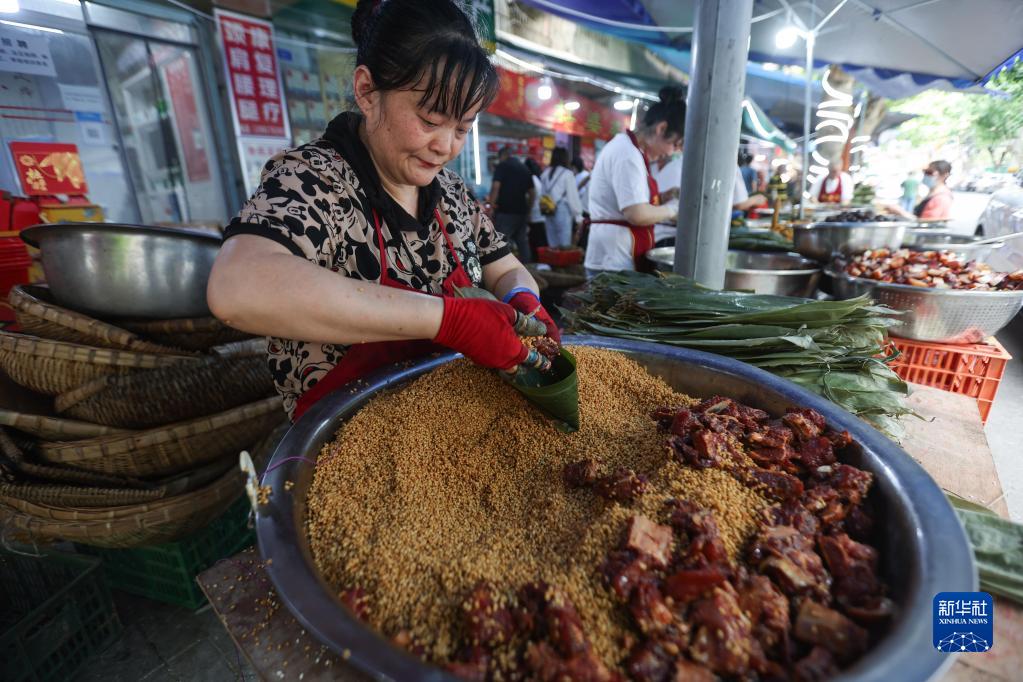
point(780, 274)
point(943, 240)
point(939, 315)
point(923, 547)
point(823, 241)
point(111, 270)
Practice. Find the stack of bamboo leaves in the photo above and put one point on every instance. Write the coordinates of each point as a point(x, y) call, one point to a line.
point(833, 348)
point(744, 239)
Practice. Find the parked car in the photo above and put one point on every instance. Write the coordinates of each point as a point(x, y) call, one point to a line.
point(1004, 215)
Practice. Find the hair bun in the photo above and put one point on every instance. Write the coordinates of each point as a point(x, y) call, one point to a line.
point(672, 93)
point(364, 10)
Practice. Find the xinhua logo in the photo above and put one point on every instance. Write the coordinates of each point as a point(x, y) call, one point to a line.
point(963, 622)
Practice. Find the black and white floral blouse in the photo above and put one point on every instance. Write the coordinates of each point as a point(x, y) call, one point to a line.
point(318, 201)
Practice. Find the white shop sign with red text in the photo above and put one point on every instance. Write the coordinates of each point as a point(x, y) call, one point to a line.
point(253, 80)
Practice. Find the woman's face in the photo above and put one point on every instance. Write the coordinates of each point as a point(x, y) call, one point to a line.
point(662, 143)
point(409, 143)
point(935, 173)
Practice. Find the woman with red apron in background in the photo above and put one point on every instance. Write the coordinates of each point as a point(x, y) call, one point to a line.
point(834, 188)
point(349, 252)
point(624, 201)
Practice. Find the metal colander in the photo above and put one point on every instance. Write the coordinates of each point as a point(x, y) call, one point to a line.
point(938, 315)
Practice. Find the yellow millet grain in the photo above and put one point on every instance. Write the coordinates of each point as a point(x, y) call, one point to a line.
point(456, 479)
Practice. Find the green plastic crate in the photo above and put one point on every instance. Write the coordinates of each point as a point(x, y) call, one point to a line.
point(167, 572)
point(55, 612)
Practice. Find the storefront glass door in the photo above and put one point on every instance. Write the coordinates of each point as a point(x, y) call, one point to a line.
point(164, 122)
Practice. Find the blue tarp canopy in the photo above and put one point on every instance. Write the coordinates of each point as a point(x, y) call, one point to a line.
point(895, 47)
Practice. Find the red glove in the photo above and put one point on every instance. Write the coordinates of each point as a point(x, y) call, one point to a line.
point(528, 303)
point(482, 331)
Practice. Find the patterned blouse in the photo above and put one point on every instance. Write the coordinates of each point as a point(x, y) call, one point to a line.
point(314, 201)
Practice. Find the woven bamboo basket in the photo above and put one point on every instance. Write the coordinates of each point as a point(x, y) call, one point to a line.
point(121, 526)
point(53, 428)
point(199, 333)
point(53, 367)
point(112, 492)
point(166, 395)
point(78, 496)
point(38, 315)
point(17, 468)
point(169, 449)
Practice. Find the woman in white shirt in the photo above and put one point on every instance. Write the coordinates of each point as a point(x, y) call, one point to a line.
point(624, 195)
point(537, 238)
point(834, 188)
point(558, 183)
point(582, 183)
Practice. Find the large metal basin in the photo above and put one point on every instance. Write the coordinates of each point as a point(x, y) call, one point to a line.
point(762, 272)
point(928, 239)
point(931, 314)
point(923, 550)
point(823, 241)
point(112, 270)
point(778, 274)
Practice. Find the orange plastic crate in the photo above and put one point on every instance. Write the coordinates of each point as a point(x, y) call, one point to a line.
point(970, 369)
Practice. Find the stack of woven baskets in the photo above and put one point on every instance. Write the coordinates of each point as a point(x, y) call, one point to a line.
point(145, 420)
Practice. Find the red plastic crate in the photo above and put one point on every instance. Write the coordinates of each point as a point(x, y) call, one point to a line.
point(970, 369)
point(559, 257)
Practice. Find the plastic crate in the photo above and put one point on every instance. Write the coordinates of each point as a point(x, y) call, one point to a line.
point(970, 369)
point(167, 572)
point(55, 612)
point(560, 257)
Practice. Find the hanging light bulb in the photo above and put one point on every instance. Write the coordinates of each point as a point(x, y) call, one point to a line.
point(786, 37)
point(546, 89)
point(571, 105)
point(623, 104)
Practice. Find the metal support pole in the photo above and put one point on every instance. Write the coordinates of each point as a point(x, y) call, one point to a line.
point(713, 118)
point(810, 37)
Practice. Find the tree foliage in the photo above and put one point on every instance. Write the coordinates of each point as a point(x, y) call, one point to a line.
point(993, 123)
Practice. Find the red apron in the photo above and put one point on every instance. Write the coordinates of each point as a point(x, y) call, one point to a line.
point(642, 235)
point(362, 358)
point(830, 197)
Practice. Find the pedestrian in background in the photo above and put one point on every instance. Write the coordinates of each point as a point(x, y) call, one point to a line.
point(749, 175)
point(559, 200)
point(910, 189)
point(582, 184)
point(511, 195)
point(537, 225)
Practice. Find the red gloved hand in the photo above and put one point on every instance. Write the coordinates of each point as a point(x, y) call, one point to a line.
point(482, 331)
point(528, 303)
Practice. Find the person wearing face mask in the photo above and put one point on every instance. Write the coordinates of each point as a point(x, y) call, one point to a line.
point(937, 205)
point(624, 197)
point(349, 254)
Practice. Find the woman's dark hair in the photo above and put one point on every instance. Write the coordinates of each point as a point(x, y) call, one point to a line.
point(432, 45)
point(577, 163)
point(671, 109)
point(559, 157)
point(943, 167)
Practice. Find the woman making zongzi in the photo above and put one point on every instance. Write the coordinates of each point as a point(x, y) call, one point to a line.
point(349, 254)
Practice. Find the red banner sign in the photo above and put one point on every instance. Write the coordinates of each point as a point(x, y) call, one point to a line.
point(517, 99)
point(257, 97)
point(46, 168)
point(186, 117)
